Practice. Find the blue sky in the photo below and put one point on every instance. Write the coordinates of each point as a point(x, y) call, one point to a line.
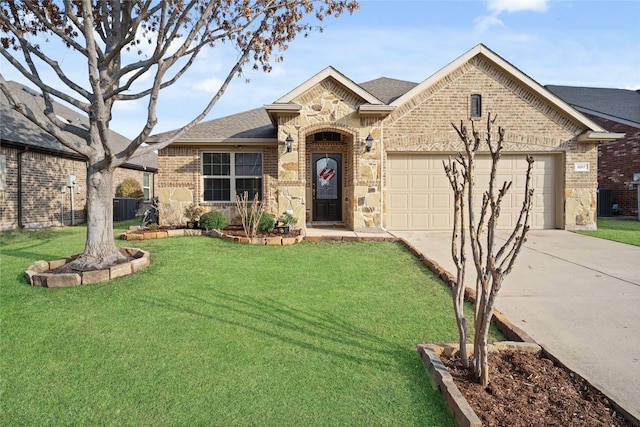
point(574, 43)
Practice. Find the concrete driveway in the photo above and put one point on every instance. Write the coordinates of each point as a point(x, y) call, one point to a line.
point(577, 296)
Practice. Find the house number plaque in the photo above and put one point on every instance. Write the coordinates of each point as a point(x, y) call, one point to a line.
point(581, 166)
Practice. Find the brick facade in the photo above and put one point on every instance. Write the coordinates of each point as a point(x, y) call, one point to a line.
point(43, 204)
point(180, 183)
point(618, 161)
point(531, 123)
point(535, 123)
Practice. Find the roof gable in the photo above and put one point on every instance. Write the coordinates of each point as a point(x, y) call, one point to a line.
point(327, 73)
point(524, 80)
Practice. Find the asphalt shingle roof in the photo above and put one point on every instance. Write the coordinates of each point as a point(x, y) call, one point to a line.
point(386, 89)
point(248, 124)
point(16, 128)
point(255, 124)
point(615, 103)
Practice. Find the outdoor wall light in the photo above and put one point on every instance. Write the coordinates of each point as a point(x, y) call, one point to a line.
point(289, 143)
point(368, 143)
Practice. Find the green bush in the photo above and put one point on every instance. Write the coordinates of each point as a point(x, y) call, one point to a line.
point(213, 220)
point(129, 187)
point(266, 223)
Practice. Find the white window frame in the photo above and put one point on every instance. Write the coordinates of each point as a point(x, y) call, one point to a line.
point(232, 174)
point(146, 189)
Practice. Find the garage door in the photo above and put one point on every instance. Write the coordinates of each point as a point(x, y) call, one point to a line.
point(419, 196)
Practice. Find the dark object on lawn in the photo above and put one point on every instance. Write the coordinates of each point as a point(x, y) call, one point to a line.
point(151, 215)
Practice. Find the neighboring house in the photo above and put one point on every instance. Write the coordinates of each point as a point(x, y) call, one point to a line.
point(616, 110)
point(34, 167)
point(369, 156)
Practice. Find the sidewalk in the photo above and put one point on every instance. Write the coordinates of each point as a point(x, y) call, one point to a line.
point(577, 296)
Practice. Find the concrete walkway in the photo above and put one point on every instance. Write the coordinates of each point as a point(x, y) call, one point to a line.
point(577, 296)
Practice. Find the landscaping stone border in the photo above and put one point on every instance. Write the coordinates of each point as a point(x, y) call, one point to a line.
point(442, 379)
point(159, 234)
point(163, 234)
point(520, 340)
point(36, 274)
point(262, 241)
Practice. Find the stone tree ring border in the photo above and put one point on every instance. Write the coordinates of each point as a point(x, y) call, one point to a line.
point(38, 273)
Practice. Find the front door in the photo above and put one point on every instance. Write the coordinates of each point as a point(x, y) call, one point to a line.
point(327, 187)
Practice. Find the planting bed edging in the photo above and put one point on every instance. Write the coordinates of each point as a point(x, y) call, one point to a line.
point(263, 241)
point(158, 234)
point(442, 379)
point(36, 274)
point(508, 329)
point(163, 234)
point(282, 240)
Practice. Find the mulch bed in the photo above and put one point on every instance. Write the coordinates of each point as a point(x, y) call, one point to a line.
point(231, 230)
point(70, 268)
point(529, 390)
point(237, 230)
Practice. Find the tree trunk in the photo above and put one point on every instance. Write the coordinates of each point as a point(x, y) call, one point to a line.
point(461, 321)
point(100, 250)
point(480, 342)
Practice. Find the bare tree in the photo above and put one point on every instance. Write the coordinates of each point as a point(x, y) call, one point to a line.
point(175, 32)
point(458, 181)
point(492, 266)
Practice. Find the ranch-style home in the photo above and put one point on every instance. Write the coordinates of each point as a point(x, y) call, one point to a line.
point(43, 183)
point(369, 156)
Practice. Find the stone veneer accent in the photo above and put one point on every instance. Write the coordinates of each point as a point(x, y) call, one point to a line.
point(531, 123)
point(421, 125)
point(330, 107)
point(37, 273)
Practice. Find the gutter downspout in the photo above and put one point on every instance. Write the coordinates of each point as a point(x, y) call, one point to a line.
point(20, 223)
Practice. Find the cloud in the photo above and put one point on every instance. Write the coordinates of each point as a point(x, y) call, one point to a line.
point(483, 23)
point(498, 7)
point(511, 6)
point(211, 85)
point(129, 106)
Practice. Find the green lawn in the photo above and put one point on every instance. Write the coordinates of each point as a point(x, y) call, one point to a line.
point(619, 230)
point(218, 333)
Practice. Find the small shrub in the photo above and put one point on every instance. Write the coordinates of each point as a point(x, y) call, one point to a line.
point(213, 220)
point(287, 218)
point(153, 226)
point(266, 223)
point(129, 187)
point(193, 211)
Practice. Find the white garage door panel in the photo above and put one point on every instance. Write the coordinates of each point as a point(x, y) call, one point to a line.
point(400, 201)
point(420, 201)
point(420, 221)
point(420, 198)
